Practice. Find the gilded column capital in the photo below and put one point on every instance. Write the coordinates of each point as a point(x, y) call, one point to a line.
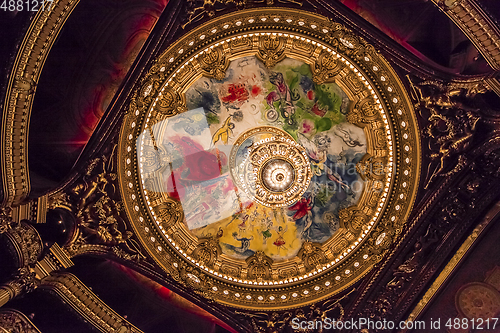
point(25, 241)
point(24, 281)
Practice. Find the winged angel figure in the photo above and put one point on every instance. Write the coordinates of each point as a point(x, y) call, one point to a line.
point(317, 152)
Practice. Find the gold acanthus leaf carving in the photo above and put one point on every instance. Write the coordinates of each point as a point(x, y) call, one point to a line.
point(209, 249)
point(345, 41)
point(168, 212)
point(352, 218)
point(214, 63)
point(326, 67)
point(259, 266)
point(451, 124)
point(271, 50)
point(195, 279)
point(364, 112)
point(371, 168)
point(312, 255)
point(169, 104)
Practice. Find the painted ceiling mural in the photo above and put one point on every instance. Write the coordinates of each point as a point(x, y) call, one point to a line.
point(197, 169)
point(267, 158)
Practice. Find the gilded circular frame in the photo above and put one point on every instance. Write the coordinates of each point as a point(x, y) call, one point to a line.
point(381, 107)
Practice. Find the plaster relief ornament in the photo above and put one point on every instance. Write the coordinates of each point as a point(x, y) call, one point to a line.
point(249, 179)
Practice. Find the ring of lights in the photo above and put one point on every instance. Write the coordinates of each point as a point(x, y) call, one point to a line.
point(381, 107)
point(276, 172)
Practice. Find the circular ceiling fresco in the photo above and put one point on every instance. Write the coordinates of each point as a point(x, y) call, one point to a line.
point(269, 159)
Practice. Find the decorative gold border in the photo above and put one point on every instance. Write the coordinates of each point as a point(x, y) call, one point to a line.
point(20, 94)
point(77, 295)
point(313, 29)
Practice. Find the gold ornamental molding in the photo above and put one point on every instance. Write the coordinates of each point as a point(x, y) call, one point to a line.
point(21, 88)
point(476, 25)
point(302, 71)
point(87, 304)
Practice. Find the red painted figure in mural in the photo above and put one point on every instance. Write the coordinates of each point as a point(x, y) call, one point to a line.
point(198, 165)
point(280, 241)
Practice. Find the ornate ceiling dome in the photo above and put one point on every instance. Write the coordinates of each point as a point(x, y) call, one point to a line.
point(269, 159)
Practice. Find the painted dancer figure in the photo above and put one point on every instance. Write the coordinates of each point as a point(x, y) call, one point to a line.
point(284, 95)
point(280, 241)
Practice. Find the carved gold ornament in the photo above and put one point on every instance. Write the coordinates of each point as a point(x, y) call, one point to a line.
point(249, 259)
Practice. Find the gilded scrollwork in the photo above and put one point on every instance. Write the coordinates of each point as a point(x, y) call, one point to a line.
point(214, 63)
point(372, 168)
point(450, 211)
point(312, 255)
point(168, 212)
point(194, 279)
point(16, 322)
point(352, 218)
point(272, 50)
point(326, 67)
point(259, 266)
point(452, 120)
point(95, 204)
point(169, 104)
point(277, 322)
point(199, 9)
point(209, 250)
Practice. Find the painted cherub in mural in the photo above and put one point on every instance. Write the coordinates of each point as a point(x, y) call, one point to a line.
point(316, 150)
point(284, 95)
point(280, 241)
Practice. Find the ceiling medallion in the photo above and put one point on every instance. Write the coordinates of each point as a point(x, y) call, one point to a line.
point(269, 159)
point(274, 170)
